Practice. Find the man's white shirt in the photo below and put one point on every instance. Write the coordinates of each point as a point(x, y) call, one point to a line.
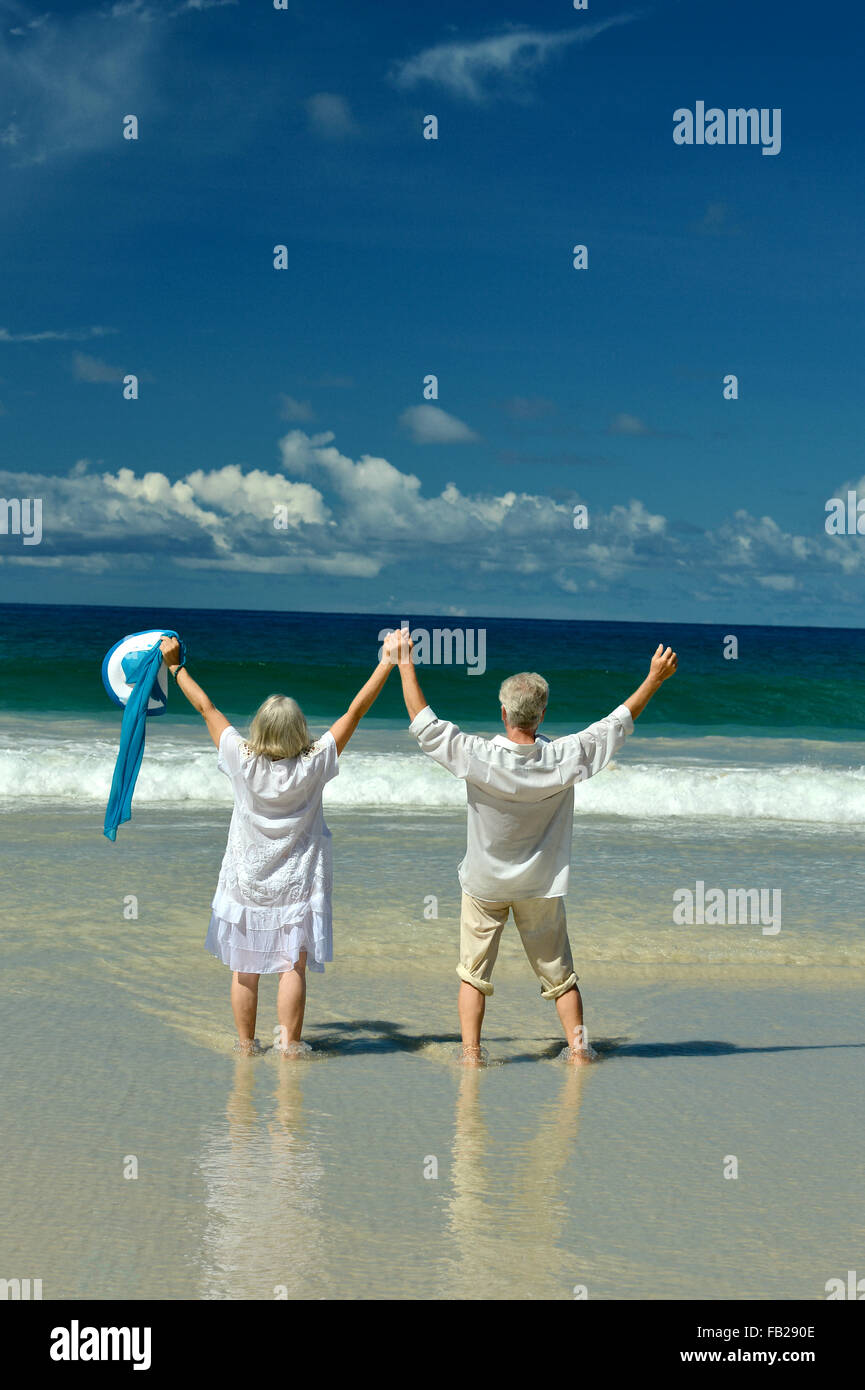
point(520, 800)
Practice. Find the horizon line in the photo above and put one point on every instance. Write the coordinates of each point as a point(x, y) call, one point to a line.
point(381, 612)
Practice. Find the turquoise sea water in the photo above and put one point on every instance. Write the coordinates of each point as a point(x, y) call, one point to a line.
point(793, 682)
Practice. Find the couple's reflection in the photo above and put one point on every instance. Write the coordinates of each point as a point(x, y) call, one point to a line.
point(508, 1204)
point(510, 1201)
point(262, 1172)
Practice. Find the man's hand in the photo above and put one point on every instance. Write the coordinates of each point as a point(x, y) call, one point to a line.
point(171, 653)
point(664, 664)
point(405, 646)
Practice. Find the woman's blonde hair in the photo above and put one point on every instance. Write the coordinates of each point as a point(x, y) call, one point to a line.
point(278, 729)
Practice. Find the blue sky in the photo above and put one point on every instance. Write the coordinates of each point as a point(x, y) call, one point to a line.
point(302, 388)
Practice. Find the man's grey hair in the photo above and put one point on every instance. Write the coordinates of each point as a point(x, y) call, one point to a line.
point(524, 698)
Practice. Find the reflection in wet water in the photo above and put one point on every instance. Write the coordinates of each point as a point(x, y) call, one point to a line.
point(263, 1174)
point(265, 1167)
point(509, 1234)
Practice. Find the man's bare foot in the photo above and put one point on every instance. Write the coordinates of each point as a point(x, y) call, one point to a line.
point(579, 1056)
point(292, 1050)
point(248, 1047)
point(472, 1055)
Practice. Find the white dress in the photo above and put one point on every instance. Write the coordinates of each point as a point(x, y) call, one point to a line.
point(272, 900)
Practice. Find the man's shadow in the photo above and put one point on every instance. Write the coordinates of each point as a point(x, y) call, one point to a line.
point(609, 1048)
point(378, 1035)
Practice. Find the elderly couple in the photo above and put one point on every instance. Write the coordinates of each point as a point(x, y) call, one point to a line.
point(271, 913)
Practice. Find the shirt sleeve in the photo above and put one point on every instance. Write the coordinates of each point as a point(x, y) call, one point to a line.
point(326, 750)
point(232, 751)
point(443, 742)
point(590, 750)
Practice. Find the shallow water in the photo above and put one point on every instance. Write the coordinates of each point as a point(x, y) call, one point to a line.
point(396, 894)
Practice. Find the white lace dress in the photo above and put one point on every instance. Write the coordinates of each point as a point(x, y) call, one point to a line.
point(272, 900)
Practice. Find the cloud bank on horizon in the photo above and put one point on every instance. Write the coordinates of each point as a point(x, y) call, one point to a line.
point(324, 513)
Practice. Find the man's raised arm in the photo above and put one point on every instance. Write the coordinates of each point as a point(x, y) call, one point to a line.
point(590, 751)
point(412, 693)
point(440, 740)
point(663, 666)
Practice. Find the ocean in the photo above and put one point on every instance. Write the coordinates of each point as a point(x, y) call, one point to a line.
point(716, 1037)
point(785, 682)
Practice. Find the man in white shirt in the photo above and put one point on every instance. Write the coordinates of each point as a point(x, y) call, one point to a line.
point(520, 795)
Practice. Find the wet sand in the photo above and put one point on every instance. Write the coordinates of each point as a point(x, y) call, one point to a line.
point(263, 1178)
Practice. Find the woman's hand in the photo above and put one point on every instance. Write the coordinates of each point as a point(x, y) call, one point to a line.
point(171, 653)
point(390, 647)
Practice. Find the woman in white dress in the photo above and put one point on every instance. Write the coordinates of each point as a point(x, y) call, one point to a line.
point(271, 912)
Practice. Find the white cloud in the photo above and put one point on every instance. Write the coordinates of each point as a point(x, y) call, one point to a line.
point(233, 492)
point(291, 409)
point(430, 425)
point(91, 369)
point(35, 23)
point(330, 116)
point(468, 68)
point(635, 520)
point(842, 490)
point(155, 494)
point(364, 517)
point(70, 77)
point(218, 518)
point(70, 80)
point(628, 424)
point(68, 335)
point(781, 583)
point(205, 5)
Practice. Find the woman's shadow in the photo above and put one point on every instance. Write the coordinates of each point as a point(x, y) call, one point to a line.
point(371, 1035)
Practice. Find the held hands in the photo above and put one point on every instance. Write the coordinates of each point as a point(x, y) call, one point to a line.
point(171, 653)
point(664, 664)
point(396, 647)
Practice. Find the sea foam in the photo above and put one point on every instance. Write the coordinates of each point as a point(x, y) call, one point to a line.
point(173, 772)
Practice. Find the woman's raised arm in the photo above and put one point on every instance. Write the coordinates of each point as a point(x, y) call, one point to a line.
point(215, 721)
point(344, 727)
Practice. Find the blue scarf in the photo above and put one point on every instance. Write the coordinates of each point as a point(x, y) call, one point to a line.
point(140, 670)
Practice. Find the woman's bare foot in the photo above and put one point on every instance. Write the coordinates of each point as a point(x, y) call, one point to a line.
point(472, 1055)
point(291, 1050)
point(248, 1047)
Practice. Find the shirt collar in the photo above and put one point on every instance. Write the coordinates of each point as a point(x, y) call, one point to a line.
point(501, 742)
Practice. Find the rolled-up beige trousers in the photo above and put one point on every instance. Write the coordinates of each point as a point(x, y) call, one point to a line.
point(543, 929)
